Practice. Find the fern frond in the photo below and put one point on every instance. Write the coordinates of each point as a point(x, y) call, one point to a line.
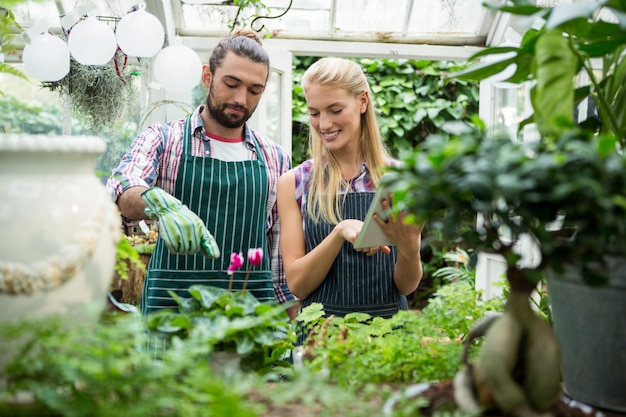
point(8, 69)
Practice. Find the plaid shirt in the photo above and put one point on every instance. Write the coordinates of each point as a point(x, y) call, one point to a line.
point(153, 159)
point(359, 184)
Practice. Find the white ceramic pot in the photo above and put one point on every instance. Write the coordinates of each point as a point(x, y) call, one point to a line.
point(59, 228)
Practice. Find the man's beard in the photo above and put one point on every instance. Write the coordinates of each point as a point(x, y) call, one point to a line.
point(217, 110)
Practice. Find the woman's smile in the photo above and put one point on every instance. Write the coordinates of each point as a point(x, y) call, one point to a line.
point(330, 136)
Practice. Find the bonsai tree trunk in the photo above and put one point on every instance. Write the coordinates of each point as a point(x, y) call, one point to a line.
point(518, 368)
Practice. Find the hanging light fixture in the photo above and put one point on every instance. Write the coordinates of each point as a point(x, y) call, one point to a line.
point(177, 67)
point(45, 57)
point(91, 41)
point(140, 33)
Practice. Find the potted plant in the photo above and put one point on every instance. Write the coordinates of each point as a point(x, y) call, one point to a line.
point(241, 331)
point(100, 94)
point(566, 191)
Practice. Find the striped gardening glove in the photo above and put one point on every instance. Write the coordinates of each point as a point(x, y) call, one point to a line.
point(182, 231)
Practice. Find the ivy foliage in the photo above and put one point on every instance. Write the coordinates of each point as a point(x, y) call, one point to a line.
point(414, 98)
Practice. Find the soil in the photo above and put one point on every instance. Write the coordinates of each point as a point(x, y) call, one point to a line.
point(441, 394)
point(440, 397)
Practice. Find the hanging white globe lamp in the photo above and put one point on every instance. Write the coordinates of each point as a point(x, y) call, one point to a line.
point(46, 57)
point(140, 33)
point(92, 42)
point(177, 67)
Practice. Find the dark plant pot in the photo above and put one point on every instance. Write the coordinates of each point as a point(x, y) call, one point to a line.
point(590, 324)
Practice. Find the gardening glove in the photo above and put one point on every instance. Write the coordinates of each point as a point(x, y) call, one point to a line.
point(182, 231)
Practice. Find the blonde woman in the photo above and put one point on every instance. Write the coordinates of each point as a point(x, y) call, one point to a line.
point(323, 201)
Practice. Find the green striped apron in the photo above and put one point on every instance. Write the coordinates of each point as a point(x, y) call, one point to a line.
point(230, 197)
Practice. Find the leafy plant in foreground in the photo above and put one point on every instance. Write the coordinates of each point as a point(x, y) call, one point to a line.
point(230, 322)
point(104, 370)
point(411, 346)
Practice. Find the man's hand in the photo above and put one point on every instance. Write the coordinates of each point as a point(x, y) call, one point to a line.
point(182, 230)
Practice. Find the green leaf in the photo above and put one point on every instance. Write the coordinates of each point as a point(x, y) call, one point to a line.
point(207, 294)
point(185, 305)
point(8, 69)
point(553, 95)
point(520, 7)
point(311, 313)
point(245, 344)
point(357, 317)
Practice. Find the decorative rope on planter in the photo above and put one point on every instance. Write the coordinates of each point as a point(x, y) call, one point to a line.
point(16, 278)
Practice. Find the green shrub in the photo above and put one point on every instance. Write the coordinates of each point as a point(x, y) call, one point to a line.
point(411, 346)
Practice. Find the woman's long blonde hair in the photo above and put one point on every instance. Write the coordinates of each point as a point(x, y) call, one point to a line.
point(323, 200)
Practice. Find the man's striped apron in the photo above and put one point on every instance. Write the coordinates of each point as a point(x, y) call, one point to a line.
point(231, 198)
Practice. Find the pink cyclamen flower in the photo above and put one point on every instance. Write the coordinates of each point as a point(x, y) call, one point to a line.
point(255, 256)
point(236, 262)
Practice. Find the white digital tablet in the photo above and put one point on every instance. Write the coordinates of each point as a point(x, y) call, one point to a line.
point(371, 235)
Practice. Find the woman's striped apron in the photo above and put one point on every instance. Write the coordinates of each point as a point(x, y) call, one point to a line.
point(231, 198)
point(355, 282)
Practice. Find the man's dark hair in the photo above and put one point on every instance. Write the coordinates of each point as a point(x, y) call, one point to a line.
point(243, 42)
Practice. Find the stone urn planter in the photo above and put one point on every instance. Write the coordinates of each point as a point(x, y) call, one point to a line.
point(59, 227)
